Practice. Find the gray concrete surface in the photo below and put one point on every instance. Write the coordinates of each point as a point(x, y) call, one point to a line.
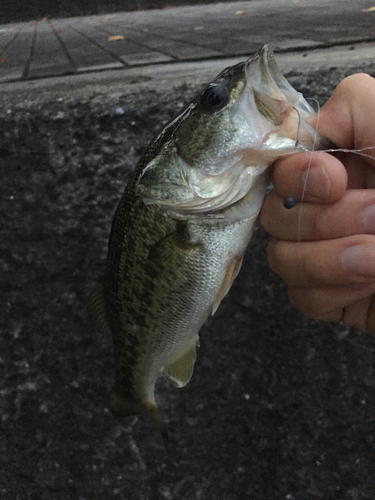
point(279, 407)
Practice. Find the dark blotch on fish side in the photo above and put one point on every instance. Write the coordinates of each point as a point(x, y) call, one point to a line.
point(290, 202)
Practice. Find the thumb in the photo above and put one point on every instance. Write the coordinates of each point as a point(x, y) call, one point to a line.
point(348, 115)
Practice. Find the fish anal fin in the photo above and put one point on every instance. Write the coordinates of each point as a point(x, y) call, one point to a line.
point(96, 309)
point(181, 369)
point(231, 273)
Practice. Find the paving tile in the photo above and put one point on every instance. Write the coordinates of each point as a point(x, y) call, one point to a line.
point(128, 51)
point(179, 50)
point(146, 57)
point(8, 34)
point(16, 57)
point(49, 57)
point(86, 55)
point(220, 44)
point(177, 40)
point(125, 50)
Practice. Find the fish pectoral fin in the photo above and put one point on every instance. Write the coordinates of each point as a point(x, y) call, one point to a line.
point(96, 309)
point(175, 251)
point(231, 273)
point(181, 369)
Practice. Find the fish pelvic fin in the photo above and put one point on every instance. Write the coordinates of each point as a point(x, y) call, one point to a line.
point(181, 369)
point(96, 309)
point(124, 407)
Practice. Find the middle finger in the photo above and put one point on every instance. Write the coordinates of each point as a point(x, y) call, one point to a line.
point(352, 214)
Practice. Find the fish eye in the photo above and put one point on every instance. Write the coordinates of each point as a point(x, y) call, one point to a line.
point(214, 97)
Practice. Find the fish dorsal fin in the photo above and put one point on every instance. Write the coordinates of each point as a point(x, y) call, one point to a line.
point(96, 309)
point(231, 273)
point(181, 369)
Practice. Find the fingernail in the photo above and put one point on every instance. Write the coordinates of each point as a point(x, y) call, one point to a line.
point(368, 219)
point(359, 260)
point(315, 182)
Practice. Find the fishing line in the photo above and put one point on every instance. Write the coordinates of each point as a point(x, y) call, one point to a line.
point(358, 152)
point(291, 202)
point(334, 150)
point(309, 166)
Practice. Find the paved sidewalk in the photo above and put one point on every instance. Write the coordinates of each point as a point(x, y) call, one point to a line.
point(51, 48)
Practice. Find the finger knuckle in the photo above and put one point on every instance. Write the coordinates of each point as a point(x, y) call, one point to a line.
point(302, 299)
point(297, 297)
point(353, 82)
point(321, 224)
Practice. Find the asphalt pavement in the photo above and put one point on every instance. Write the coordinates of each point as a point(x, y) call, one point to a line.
point(279, 407)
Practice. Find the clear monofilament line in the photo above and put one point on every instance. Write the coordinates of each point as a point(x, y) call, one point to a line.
point(307, 171)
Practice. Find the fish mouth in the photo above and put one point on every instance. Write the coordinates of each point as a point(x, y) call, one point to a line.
point(282, 106)
point(265, 78)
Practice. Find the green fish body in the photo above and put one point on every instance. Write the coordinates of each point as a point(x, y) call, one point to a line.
point(186, 217)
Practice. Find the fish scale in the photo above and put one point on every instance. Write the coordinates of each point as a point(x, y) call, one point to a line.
point(186, 217)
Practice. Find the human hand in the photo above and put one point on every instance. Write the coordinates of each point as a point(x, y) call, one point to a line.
point(324, 247)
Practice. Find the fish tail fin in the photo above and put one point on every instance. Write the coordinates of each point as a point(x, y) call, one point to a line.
point(123, 407)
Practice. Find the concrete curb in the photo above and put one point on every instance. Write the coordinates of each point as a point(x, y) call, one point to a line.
point(162, 75)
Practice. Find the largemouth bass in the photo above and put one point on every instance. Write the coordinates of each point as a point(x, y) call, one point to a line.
point(187, 215)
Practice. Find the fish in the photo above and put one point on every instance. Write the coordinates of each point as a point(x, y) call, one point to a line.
point(182, 226)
